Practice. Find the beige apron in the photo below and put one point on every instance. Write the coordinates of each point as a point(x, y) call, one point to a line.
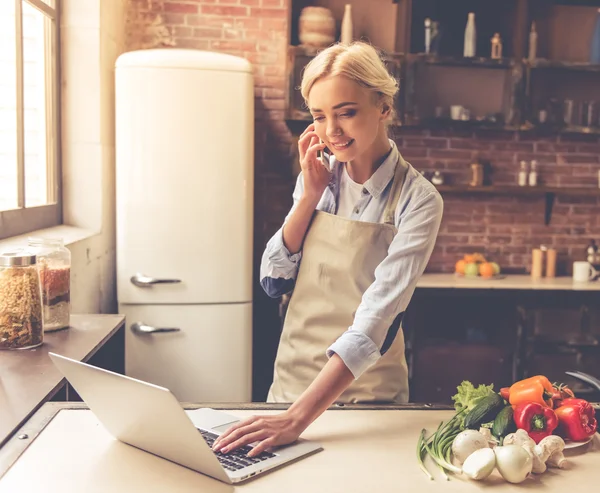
point(338, 264)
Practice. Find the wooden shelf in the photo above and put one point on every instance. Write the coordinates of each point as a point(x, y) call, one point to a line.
point(516, 190)
point(549, 193)
point(541, 63)
point(474, 62)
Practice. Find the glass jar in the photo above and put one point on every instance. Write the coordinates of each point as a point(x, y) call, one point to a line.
point(21, 320)
point(54, 265)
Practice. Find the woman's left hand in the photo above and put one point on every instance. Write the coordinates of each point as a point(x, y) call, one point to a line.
point(270, 431)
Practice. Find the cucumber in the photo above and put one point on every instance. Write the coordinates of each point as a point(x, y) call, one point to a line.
point(484, 411)
point(504, 423)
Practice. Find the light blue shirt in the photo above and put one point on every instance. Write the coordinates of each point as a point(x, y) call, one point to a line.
point(418, 216)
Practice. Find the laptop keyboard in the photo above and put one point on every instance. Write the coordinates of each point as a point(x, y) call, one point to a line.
point(237, 459)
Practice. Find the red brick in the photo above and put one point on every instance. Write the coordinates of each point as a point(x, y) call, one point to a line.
point(226, 1)
point(554, 147)
point(272, 3)
point(233, 45)
point(450, 154)
point(581, 158)
point(224, 10)
point(251, 3)
point(233, 34)
point(209, 21)
point(208, 33)
point(268, 13)
point(273, 24)
point(197, 44)
point(173, 19)
point(247, 23)
point(271, 93)
point(182, 32)
point(183, 8)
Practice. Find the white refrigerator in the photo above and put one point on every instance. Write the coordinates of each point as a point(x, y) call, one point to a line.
point(184, 213)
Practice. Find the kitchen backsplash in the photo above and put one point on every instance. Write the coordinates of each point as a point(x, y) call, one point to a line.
point(506, 228)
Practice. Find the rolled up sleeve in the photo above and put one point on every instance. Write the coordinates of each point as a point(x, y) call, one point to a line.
point(395, 280)
point(279, 268)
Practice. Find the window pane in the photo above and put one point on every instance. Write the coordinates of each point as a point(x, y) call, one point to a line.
point(36, 89)
point(8, 107)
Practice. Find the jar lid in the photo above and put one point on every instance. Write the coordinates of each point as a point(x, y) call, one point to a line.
point(21, 259)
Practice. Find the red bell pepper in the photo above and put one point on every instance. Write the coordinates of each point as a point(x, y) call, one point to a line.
point(577, 419)
point(536, 419)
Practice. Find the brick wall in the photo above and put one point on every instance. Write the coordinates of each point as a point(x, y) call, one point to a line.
point(258, 31)
point(507, 228)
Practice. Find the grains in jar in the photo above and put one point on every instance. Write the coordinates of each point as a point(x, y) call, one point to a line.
point(21, 321)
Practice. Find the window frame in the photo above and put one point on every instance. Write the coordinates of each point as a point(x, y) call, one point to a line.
point(26, 219)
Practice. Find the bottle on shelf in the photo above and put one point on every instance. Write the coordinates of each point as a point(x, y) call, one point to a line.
point(532, 43)
point(427, 35)
point(347, 28)
point(592, 253)
point(496, 46)
point(522, 178)
point(470, 36)
point(533, 175)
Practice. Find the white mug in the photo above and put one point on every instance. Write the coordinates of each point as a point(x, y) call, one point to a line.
point(583, 272)
point(456, 112)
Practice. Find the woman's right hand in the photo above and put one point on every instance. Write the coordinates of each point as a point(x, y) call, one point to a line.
point(316, 175)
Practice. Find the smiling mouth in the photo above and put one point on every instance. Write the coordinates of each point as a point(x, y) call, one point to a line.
point(342, 145)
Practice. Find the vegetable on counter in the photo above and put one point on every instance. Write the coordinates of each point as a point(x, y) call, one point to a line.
point(467, 396)
point(537, 420)
point(484, 411)
point(466, 443)
point(561, 392)
point(504, 423)
point(535, 389)
point(480, 464)
point(514, 463)
point(577, 419)
point(550, 451)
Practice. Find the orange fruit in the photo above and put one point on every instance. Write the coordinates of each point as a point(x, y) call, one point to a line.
point(459, 268)
point(478, 257)
point(469, 259)
point(486, 269)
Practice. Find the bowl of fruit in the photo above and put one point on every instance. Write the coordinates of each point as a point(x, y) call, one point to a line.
point(475, 265)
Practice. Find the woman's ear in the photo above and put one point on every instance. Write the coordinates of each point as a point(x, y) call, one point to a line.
point(386, 110)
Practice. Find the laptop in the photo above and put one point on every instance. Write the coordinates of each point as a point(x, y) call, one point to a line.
point(150, 418)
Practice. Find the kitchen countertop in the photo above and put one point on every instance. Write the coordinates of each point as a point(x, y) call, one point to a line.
point(364, 449)
point(28, 378)
point(523, 282)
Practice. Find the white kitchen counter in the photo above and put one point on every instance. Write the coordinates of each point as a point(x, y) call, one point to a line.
point(452, 281)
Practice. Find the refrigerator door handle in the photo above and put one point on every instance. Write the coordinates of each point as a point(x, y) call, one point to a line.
point(142, 328)
point(142, 281)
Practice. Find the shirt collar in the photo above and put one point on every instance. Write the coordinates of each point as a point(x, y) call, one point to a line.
point(380, 179)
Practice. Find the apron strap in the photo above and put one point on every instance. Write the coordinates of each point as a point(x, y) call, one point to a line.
point(399, 176)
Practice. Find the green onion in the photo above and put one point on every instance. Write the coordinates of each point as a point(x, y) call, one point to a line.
point(420, 448)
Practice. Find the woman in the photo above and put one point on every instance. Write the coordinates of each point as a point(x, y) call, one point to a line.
point(354, 263)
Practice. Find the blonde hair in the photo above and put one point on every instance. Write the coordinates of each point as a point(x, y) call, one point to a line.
point(357, 61)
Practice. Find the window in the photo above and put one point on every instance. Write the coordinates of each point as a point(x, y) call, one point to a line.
point(29, 125)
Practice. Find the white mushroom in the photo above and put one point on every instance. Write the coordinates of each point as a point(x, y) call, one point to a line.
point(550, 450)
point(487, 433)
point(522, 438)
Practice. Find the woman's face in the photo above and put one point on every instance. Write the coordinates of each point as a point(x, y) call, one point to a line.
point(346, 116)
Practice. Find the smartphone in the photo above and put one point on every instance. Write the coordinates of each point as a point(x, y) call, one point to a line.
point(324, 155)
